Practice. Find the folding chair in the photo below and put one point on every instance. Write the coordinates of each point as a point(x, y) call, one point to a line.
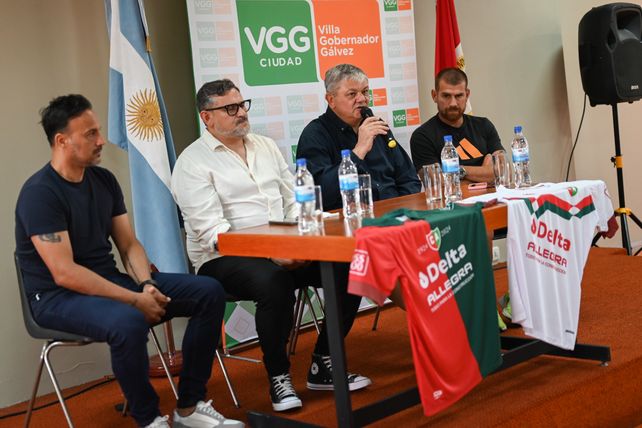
point(54, 339)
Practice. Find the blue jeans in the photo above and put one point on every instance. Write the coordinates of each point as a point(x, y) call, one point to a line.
point(125, 330)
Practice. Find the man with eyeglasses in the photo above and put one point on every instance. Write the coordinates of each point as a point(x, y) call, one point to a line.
point(342, 127)
point(230, 179)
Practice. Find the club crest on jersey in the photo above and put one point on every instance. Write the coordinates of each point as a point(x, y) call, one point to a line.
point(434, 239)
point(572, 190)
point(360, 262)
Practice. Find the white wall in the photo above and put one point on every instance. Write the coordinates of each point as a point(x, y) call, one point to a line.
point(521, 58)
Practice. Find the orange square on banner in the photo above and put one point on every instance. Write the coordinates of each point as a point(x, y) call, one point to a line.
point(342, 38)
point(403, 4)
point(412, 116)
point(379, 97)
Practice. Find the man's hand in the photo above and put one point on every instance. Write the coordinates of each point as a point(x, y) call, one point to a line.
point(290, 264)
point(482, 173)
point(151, 302)
point(369, 129)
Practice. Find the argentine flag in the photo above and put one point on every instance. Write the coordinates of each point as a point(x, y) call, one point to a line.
point(138, 123)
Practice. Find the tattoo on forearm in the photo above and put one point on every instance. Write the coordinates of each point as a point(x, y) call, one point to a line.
point(50, 237)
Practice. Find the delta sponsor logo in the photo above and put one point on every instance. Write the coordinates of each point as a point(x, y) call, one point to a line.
point(360, 262)
point(450, 263)
point(276, 42)
point(545, 233)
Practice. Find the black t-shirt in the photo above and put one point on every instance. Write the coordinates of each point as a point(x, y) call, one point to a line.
point(48, 203)
point(474, 139)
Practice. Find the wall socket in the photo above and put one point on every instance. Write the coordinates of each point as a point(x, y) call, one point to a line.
point(496, 254)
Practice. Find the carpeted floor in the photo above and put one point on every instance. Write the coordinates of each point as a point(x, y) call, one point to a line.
point(545, 391)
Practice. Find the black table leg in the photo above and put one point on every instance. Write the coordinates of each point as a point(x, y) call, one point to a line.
point(334, 328)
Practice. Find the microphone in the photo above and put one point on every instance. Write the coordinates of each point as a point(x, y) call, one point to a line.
point(367, 112)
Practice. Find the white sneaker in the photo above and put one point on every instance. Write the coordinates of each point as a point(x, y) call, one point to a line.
point(204, 416)
point(159, 422)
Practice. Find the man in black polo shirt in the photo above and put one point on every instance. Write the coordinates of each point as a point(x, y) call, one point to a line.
point(342, 127)
point(475, 138)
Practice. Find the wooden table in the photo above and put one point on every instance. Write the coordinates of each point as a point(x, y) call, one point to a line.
point(334, 246)
point(281, 241)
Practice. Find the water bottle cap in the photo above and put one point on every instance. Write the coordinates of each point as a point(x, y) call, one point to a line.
point(448, 138)
point(301, 162)
point(345, 153)
point(518, 129)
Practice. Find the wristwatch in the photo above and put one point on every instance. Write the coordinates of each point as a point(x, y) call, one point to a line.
point(462, 172)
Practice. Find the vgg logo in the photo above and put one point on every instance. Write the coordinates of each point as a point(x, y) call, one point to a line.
point(276, 42)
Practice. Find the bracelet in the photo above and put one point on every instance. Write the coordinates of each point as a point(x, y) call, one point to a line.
point(149, 281)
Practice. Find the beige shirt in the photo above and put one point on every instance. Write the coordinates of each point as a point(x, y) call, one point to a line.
point(216, 191)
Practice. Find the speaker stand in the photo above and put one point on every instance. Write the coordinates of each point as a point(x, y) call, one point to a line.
point(622, 211)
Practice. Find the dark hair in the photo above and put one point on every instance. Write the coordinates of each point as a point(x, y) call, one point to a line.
point(452, 76)
point(216, 88)
point(56, 116)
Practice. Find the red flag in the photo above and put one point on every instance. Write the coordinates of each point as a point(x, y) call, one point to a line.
point(448, 51)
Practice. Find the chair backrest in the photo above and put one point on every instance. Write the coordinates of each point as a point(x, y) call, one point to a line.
point(33, 328)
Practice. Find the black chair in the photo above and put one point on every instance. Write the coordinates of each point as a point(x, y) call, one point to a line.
point(54, 339)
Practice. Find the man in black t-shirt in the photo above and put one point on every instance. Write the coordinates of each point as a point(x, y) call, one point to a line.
point(475, 138)
point(65, 215)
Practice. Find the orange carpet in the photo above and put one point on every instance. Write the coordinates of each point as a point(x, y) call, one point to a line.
point(545, 391)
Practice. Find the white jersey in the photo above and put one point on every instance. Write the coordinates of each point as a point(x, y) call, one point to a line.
point(550, 229)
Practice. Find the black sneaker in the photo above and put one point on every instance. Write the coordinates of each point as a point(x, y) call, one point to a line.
point(320, 376)
point(282, 393)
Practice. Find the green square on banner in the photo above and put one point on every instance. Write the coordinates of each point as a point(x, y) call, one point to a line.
point(398, 118)
point(370, 98)
point(293, 148)
point(295, 103)
point(276, 42)
point(390, 5)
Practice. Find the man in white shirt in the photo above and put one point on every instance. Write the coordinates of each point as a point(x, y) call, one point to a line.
point(230, 179)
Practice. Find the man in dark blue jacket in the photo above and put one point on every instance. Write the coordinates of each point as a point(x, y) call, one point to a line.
point(342, 127)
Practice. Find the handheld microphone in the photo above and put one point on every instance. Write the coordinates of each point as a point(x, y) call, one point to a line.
point(367, 112)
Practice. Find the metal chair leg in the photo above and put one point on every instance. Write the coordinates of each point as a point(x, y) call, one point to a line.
point(54, 381)
point(376, 319)
point(312, 312)
point(163, 362)
point(35, 386)
point(298, 317)
point(227, 379)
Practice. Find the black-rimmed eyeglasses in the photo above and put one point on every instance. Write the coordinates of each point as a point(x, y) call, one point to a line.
point(232, 109)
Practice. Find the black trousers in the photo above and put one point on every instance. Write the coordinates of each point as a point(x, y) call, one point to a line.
point(272, 288)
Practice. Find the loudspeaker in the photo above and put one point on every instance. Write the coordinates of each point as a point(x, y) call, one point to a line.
point(610, 50)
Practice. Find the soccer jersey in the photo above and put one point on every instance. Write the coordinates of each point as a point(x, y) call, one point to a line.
point(444, 270)
point(550, 228)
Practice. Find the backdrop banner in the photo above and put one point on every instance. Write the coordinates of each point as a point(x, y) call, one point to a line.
point(277, 53)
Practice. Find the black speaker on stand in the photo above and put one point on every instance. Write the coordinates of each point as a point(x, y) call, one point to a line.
point(610, 52)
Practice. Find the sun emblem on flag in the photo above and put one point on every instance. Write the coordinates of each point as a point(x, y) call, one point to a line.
point(143, 116)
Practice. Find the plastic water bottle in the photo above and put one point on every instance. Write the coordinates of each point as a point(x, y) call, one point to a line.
point(450, 171)
point(304, 197)
point(349, 187)
point(519, 147)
